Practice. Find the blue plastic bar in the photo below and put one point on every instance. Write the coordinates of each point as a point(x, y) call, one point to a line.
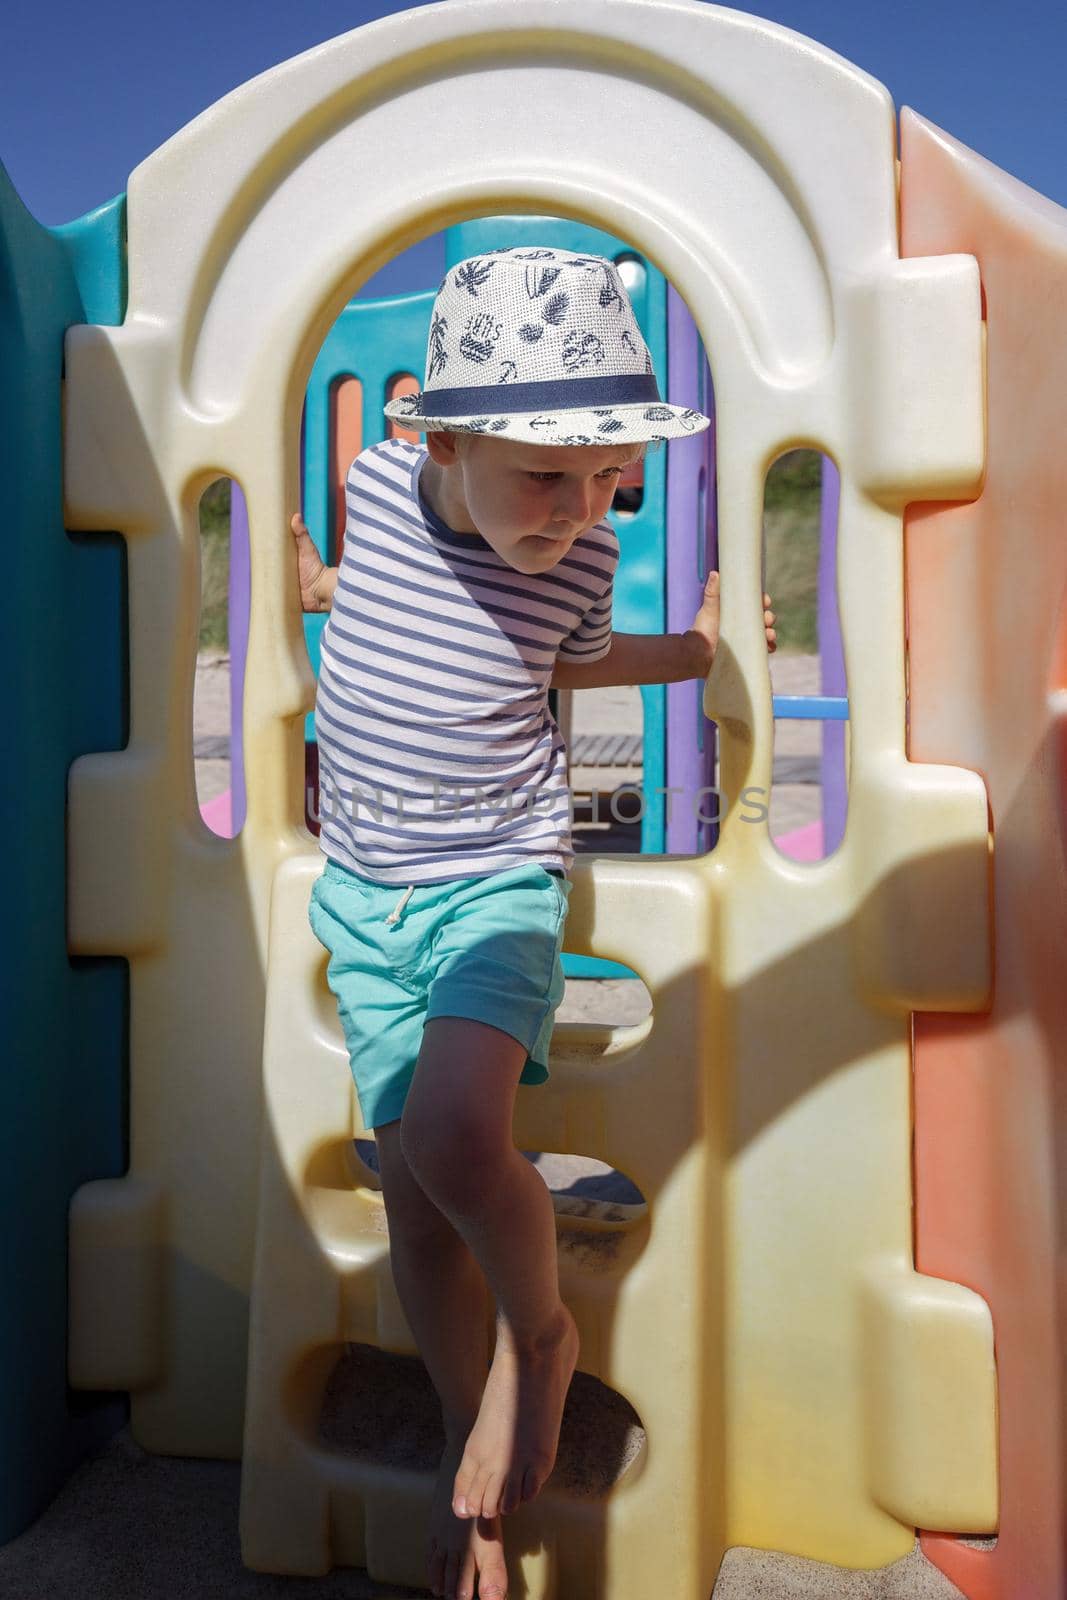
point(810, 708)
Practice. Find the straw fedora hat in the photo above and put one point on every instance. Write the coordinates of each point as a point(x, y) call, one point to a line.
point(540, 345)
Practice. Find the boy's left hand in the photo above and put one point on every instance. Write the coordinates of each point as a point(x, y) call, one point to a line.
point(705, 627)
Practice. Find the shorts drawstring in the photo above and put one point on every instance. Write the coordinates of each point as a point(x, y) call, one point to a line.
point(394, 915)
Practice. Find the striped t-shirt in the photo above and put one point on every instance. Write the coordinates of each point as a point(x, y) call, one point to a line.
point(438, 755)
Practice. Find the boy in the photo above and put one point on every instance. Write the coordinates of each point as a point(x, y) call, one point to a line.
point(476, 574)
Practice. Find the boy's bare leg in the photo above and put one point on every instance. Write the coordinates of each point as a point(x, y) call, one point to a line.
point(444, 1295)
point(441, 1287)
point(456, 1133)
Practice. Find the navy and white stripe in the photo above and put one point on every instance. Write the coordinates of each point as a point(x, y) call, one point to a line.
point(438, 755)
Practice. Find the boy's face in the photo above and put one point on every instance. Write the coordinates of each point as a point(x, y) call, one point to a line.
point(530, 502)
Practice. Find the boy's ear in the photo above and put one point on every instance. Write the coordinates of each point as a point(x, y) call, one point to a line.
point(444, 447)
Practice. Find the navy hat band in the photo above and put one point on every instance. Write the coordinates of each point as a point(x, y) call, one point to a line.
point(569, 393)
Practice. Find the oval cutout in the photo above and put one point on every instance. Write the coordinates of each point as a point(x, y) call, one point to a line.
point(380, 1406)
point(807, 800)
point(223, 628)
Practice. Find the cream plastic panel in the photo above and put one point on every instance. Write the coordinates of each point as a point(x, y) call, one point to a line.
point(757, 170)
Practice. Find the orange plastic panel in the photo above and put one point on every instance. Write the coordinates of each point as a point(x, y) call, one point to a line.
point(404, 384)
point(347, 441)
point(986, 584)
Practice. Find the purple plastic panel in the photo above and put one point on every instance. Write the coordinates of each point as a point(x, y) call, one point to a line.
point(240, 603)
point(832, 661)
point(692, 551)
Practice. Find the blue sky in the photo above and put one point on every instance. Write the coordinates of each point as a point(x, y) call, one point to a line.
point(89, 89)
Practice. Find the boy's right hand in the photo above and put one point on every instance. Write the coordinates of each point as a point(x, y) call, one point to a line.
point(316, 590)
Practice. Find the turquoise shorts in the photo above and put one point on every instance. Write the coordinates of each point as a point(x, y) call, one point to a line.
point(487, 948)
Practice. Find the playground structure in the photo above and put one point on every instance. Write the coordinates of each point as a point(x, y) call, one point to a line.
point(870, 1343)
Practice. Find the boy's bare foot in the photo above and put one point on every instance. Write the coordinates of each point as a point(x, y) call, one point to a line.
point(466, 1558)
point(512, 1446)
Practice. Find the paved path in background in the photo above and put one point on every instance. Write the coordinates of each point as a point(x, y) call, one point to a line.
point(211, 725)
point(795, 796)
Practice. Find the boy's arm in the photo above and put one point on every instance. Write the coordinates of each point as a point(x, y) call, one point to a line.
point(317, 580)
point(639, 658)
point(322, 590)
point(659, 657)
point(651, 657)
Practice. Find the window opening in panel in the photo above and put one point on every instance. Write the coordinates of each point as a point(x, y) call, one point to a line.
point(222, 641)
point(808, 790)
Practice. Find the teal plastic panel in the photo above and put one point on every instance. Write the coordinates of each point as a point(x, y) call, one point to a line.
point(64, 641)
